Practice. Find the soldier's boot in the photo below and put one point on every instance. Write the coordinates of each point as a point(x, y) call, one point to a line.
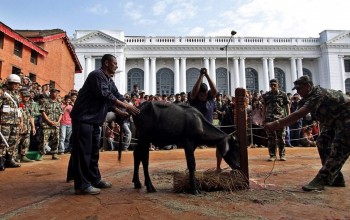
point(339, 181)
point(18, 158)
point(55, 157)
point(2, 164)
point(10, 162)
point(26, 159)
point(317, 183)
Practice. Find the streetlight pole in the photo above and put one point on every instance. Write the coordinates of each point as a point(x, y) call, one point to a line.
point(225, 48)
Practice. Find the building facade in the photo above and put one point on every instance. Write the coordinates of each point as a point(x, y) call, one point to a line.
point(45, 56)
point(169, 65)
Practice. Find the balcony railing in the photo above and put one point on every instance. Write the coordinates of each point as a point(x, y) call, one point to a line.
point(154, 40)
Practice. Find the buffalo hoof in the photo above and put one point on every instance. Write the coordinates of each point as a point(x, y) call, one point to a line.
point(137, 185)
point(150, 188)
point(195, 191)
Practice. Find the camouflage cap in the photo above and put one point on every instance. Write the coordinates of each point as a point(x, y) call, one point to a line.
point(52, 90)
point(25, 93)
point(303, 80)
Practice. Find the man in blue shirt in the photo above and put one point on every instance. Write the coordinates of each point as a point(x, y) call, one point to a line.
point(201, 98)
point(98, 94)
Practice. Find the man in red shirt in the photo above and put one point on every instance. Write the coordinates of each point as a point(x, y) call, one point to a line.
point(65, 125)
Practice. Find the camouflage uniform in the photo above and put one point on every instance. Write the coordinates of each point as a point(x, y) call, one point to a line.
point(275, 105)
point(9, 120)
point(332, 109)
point(53, 110)
point(24, 140)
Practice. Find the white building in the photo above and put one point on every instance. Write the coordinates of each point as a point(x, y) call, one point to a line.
point(169, 65)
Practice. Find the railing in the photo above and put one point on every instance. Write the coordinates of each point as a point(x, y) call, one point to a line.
point(188, 41)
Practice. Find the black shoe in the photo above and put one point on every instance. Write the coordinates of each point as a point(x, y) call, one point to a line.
point(11, 163)
point(103, 184)
point(317, 183)
point(88, 191)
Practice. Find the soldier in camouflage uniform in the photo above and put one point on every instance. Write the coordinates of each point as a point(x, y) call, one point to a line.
point(51, 112)
point(11, 121)
point(332, 109)
point(276, 106)
point(28, 125)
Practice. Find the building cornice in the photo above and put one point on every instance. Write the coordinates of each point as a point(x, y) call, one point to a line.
point(99, 45)
point(217, 48)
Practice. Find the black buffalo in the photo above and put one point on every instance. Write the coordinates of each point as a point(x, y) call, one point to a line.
point(164, 124)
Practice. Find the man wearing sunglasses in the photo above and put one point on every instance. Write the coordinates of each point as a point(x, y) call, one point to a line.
point(276, 106)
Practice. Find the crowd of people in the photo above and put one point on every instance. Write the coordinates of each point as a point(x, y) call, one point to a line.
point(300, 133)
point(47, 124)
point(222, 115)
point(33, 117)
point(37, 117)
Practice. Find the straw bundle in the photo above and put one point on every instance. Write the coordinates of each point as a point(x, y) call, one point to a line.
point(212, 180)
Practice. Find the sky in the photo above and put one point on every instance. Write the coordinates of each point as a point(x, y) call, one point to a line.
point(249, 18)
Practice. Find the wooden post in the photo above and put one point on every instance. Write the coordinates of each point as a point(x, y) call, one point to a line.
point(241, 125)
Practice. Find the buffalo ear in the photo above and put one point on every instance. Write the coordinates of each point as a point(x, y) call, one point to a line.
point(224, 146)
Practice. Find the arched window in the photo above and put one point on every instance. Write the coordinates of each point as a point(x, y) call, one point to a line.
point(280, 76)
point(222, 80)
point(347, 85)
point(165, 81)
point(192, 75)
point(252, 81)
point(135, 76)
point(307, 72)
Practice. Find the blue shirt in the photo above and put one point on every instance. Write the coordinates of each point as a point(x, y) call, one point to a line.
point(206, 107)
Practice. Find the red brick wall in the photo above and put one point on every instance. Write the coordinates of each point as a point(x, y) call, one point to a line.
point(57, 66)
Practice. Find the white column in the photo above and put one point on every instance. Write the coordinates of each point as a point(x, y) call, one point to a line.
point(120, 78)
point(271, 68)
point(206, 65)
point(87, 70)
point(183, 75)
point(235, 79)
point(293, 68)
point(176, 75)
point(300, 67)
point(153, 76)
point(242, 72)
point(212, 70)
point(342, 73)
point(206, 62)
point(266, 80)
point(146, 76)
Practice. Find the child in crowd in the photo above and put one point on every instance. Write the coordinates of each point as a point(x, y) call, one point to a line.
point(308, 139)
point(111, 131)
point(216, 121)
